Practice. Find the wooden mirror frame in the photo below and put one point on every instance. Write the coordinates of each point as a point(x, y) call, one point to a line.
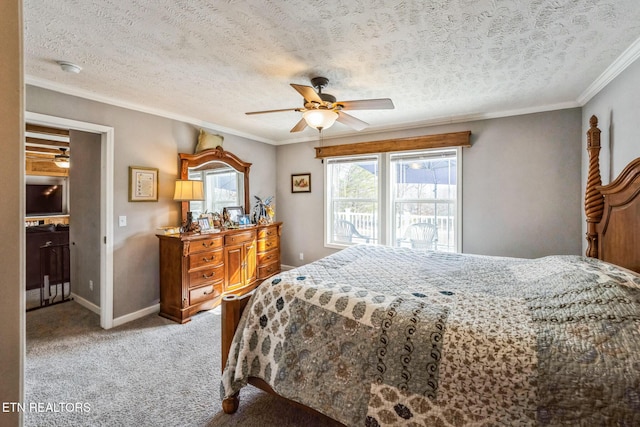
point(214, 154)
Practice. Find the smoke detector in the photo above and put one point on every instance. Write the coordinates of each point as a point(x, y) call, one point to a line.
point(69, 67)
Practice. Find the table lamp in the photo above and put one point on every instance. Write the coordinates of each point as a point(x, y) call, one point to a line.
point(187, 191)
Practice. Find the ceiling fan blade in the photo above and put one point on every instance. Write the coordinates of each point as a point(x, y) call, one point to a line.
point(299, 126)
point(39, 157)
point(367, 104)
point(273, 111)
point(351, 121)
point(307, 92)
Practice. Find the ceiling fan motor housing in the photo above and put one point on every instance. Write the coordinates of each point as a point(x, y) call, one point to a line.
point(319, 83)
point(327, 98)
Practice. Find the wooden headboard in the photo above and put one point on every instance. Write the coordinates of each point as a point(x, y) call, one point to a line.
point(613, 210)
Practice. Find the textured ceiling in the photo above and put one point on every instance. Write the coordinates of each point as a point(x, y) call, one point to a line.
point(210, 61)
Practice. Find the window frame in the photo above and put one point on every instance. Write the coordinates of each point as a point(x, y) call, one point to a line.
point(385, 209)
point(328, 228)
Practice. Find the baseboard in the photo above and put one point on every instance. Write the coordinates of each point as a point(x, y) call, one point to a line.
point(86, 303)
point(122, 319)
point(136, 315)
point(285, 267)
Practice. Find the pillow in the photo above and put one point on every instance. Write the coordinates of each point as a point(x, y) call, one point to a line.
point(207, 141)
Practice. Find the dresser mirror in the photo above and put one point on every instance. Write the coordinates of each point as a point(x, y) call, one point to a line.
point(225, 179)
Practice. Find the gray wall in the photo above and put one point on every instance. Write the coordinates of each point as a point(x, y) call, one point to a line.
point(11, 209)
point(617, 107)
point(521, 184)
point(84, 209)
point(521, 187)
point(151, 141)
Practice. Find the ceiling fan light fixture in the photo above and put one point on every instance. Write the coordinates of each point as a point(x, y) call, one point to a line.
point(320, 119)
point(62, 160)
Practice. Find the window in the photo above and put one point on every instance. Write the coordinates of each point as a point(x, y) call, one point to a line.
point(353, 199)
point(408, 199)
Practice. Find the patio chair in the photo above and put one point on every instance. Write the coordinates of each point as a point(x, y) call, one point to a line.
point(421, 235)
point(345, 231)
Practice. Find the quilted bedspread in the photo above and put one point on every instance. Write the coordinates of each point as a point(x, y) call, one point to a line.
point(374, 335)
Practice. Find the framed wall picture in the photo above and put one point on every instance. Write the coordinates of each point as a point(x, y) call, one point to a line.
point(143, 184)
point(301, 183)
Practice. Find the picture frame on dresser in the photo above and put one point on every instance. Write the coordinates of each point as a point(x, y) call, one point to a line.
point(234, 213)
point(204, 223)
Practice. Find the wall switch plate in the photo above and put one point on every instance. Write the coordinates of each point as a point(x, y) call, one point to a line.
point(90, 285)
point(301, 256)
point(122, 221)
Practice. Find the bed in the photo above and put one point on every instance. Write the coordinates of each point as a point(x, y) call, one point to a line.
point(431, 338)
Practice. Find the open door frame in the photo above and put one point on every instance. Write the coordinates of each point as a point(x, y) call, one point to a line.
point(106, 196)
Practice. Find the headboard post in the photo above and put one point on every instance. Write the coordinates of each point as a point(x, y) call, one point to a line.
point(593, 199)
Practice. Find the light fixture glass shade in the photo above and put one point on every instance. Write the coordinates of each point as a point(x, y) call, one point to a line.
point(62, 161)
point(320, 119)
point(187, 190)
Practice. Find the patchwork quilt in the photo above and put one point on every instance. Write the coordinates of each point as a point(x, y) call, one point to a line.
point(374, 336)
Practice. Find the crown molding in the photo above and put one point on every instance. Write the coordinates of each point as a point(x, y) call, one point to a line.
point(441, 121)
point(67, 90)
point(618, 66)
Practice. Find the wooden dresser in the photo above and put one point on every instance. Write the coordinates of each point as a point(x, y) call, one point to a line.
point(197, 270)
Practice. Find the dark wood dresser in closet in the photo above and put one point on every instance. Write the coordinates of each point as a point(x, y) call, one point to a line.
point(197, 270)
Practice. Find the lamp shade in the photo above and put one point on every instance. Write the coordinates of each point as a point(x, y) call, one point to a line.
point(320, 119)
point(187, 190)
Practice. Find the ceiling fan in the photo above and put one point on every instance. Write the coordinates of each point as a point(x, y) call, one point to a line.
point(321, 110)
point(59, 156)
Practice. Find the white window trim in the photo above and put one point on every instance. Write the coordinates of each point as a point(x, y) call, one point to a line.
point(384, 232)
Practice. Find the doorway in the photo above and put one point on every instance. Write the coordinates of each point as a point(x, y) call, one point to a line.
point(106, 202)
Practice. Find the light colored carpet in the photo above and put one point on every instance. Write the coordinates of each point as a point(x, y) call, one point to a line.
point(149, 372)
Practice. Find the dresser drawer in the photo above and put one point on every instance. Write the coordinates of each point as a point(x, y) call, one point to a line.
point(204, 293)
point(236, 238)
point(268, 257)
point(206, 259)
point(268, 244)
point(265, 233)
point(265, 271)
point(202, 245)
point(206, 275)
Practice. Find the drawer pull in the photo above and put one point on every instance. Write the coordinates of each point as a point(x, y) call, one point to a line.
point(205, 259)
point(208, 293)
point(207, 276)
point(268, 244)
point(268, 258)
point(207, 245)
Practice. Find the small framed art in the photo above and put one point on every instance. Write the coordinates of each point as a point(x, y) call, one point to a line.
point(233, 214)
point(301, 183)
point(205, 224)
point(143, 184)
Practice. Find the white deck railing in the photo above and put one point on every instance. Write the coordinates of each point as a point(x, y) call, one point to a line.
point(366, 223)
